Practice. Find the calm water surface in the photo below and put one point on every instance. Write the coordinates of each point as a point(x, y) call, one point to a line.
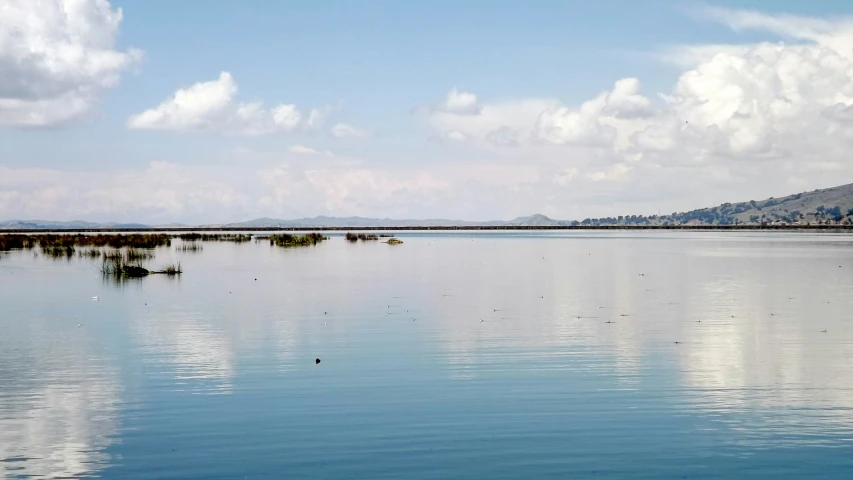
point(464, 356)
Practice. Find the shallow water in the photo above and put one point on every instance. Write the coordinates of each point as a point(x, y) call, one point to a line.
point(212, 375)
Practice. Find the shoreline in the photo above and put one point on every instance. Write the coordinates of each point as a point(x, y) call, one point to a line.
point(819, 228)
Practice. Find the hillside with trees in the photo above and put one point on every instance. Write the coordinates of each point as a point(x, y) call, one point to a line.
point(829, 206)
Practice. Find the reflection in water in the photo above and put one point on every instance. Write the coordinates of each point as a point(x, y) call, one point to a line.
point(195, 350)
point(760, 360)
point(471, 348)
point(58, 407)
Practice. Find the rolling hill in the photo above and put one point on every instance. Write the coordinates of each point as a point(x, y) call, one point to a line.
point(823, 206)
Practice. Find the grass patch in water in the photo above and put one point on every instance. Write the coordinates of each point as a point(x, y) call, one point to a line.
point(288, 240)
point(216, 237)
point(171, 270)
point(16, 242)
point(354, 237)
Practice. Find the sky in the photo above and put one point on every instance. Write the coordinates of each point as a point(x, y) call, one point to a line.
point(214, 111)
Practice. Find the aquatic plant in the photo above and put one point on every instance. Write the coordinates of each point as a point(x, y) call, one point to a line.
point(112, 254)
point(216, 237)
point(288, 240)
point(58, 251)
point(102, 240)
point(171, 270)
point(15, 242)
point(394, 241)
point(120, 267)
point(190, 247)
point(91, 253)
point(134, 255)
point(352, 237)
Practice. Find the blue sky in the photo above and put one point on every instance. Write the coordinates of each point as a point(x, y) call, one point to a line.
point(533, 73)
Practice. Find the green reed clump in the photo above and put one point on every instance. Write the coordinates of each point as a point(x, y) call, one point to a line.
point(171, 269)
point(189, 247)
point(58, 251)
point(120, 266)
point(91, 253)
point(136, 255)
point(112, 254)
point(288, 240)
point(353, 237)
point(216, 237)
point(16, 242)
point(136, 240)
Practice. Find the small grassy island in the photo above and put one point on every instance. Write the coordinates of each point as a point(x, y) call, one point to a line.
point(288, 240)
point(354, 237)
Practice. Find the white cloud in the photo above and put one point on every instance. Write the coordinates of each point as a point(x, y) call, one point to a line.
point(343, 130)
point(459, 103)
point(740, 121)
point(456, 136)
point(615, 173)
point(303, 150)
point(733, 105)
point(56, 59)
point(318, 116)
point(210, 106)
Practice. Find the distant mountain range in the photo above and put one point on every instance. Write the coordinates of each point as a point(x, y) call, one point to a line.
point(74, 224)
point(354, 222)
point(826, 206)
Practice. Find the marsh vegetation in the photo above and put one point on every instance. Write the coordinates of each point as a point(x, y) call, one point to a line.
point(216, 237)
point(288, 240)
point(354, 237)
point(124, 255)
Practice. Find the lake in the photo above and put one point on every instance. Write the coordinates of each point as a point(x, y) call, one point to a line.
point(522, 355)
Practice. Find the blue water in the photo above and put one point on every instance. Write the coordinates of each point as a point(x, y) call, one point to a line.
point(212, 375)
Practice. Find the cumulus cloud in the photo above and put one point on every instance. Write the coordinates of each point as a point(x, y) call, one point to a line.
point(789, 104)
point(343, 130)
point(56, 59)
point(303, 150)
point(739, 121)
point(210, 106)
point(456, 136)
point(459, 103)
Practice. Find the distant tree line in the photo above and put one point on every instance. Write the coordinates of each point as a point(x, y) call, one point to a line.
point(727, 214)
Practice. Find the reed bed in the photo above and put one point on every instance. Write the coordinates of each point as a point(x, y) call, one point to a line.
point(81, 240)
point(216, 237)
point(16, 242)
point(288, 240)
point(66, 251)
point(171, 270)
point(354, 237)
point(121, 266)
